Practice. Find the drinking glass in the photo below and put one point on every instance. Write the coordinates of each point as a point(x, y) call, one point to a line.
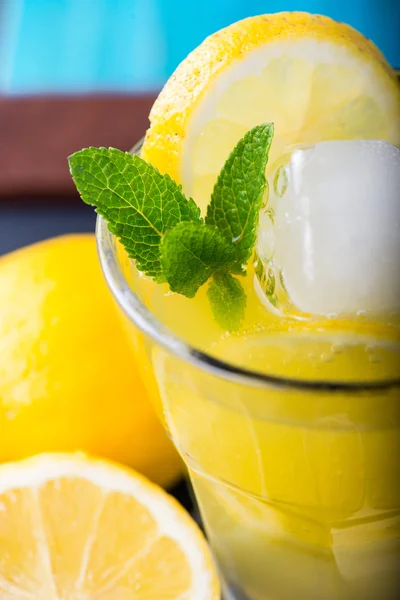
point(297, 479)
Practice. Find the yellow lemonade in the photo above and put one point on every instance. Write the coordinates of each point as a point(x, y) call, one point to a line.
point(298, 485)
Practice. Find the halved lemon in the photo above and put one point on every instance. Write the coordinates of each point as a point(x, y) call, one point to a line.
point(76, 528)
point(315, 78)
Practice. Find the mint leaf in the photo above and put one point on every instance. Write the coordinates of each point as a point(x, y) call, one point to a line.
point(138, 202)
point(227, 300)
point(191, 253)
point(238, 192)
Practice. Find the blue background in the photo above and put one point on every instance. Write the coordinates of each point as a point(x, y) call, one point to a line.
point(134, 45)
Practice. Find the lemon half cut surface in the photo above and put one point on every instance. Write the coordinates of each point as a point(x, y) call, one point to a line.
point(315, 78)
point(76, 528)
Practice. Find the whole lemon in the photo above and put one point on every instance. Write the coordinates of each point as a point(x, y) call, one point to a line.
point(68, 378)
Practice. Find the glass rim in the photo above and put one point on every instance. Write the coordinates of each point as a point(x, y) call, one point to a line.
point(142, 317)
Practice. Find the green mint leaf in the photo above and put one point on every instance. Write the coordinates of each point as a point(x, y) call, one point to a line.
point(227, 300)
point(191, 253)
point(138, 202)
point(239, 190)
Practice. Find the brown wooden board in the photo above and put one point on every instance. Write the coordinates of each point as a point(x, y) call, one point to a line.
point(38, 133)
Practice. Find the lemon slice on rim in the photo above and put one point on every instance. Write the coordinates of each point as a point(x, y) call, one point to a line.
point(315, 78)
point(75, 528)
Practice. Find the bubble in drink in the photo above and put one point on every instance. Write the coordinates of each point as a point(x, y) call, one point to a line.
point(329, 236)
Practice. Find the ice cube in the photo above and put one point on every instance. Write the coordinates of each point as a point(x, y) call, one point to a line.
point(329, 237)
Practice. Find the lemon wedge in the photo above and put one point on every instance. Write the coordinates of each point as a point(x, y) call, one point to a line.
point(315, 78)
point(76, 528)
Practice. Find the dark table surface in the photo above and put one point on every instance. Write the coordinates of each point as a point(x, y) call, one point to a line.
point(24, 221)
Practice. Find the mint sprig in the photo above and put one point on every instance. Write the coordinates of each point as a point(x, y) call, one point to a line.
point(163, 231)
point(238, 194)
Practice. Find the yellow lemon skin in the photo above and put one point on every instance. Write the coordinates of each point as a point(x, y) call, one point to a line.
point(68, 378)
